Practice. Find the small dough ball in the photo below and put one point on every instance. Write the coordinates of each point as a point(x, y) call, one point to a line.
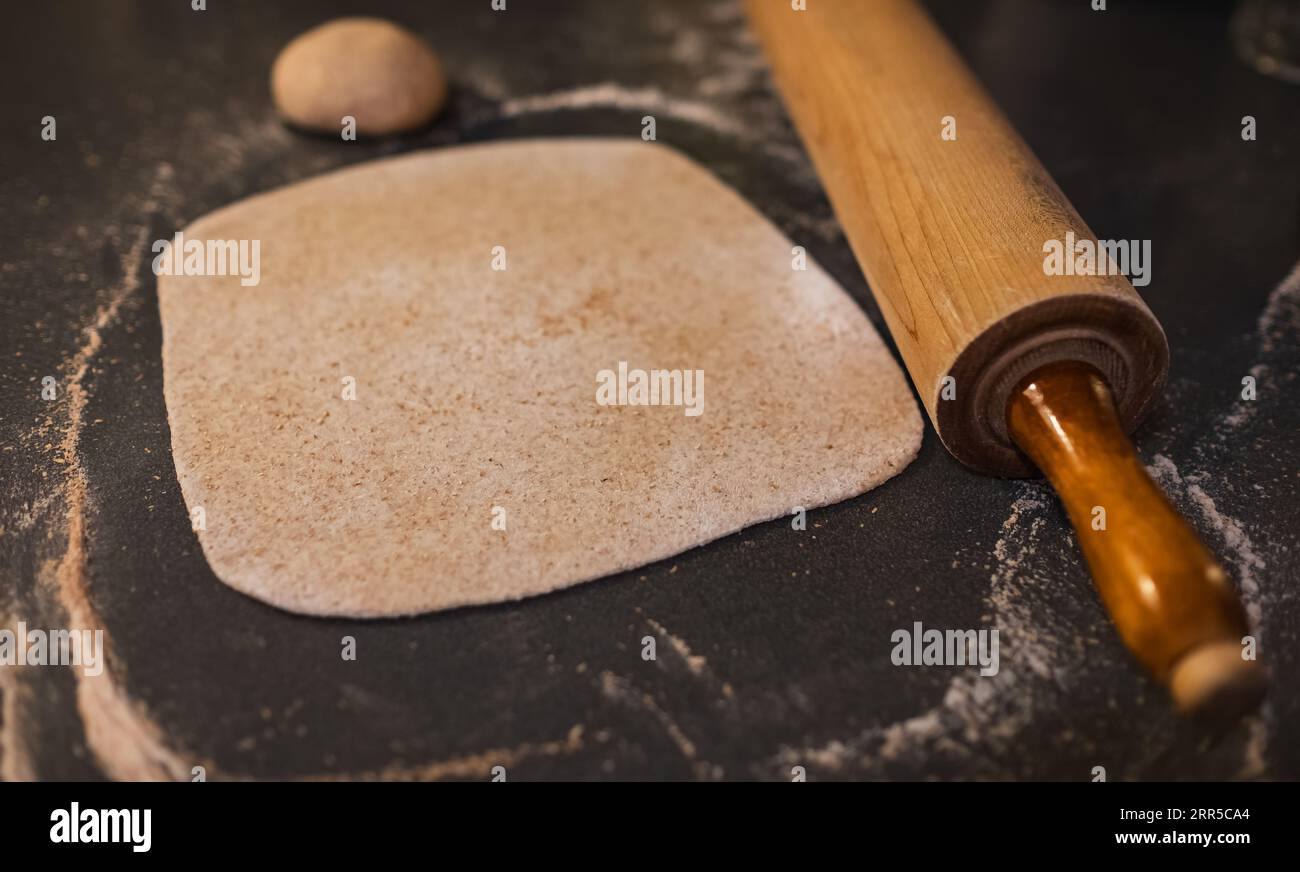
point(381, 74)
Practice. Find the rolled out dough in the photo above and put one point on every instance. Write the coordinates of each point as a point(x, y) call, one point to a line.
point(475, 387)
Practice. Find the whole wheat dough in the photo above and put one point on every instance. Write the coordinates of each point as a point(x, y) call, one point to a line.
point(383, 75)
point(475, 387)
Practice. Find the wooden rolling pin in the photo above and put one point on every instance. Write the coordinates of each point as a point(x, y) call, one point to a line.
point(1017, 368)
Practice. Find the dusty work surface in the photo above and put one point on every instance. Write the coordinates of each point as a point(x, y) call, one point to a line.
point(773, 644)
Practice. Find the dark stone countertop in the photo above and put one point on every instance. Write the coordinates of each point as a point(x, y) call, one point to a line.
point(774, 644)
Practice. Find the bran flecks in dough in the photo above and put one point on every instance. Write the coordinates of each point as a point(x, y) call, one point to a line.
point(418, 367)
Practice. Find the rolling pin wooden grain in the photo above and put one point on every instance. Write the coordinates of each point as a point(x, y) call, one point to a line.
point(1017, 368)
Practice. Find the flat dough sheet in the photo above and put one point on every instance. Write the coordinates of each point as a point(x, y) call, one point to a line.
point(475, 388)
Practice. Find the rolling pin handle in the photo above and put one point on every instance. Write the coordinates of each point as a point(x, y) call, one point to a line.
point(1169, 598)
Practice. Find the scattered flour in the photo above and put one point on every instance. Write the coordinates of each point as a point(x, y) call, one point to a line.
point(620, 689)
point(1277, 328)
point(697, 664)
point(612, 96)
point(977, 717)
